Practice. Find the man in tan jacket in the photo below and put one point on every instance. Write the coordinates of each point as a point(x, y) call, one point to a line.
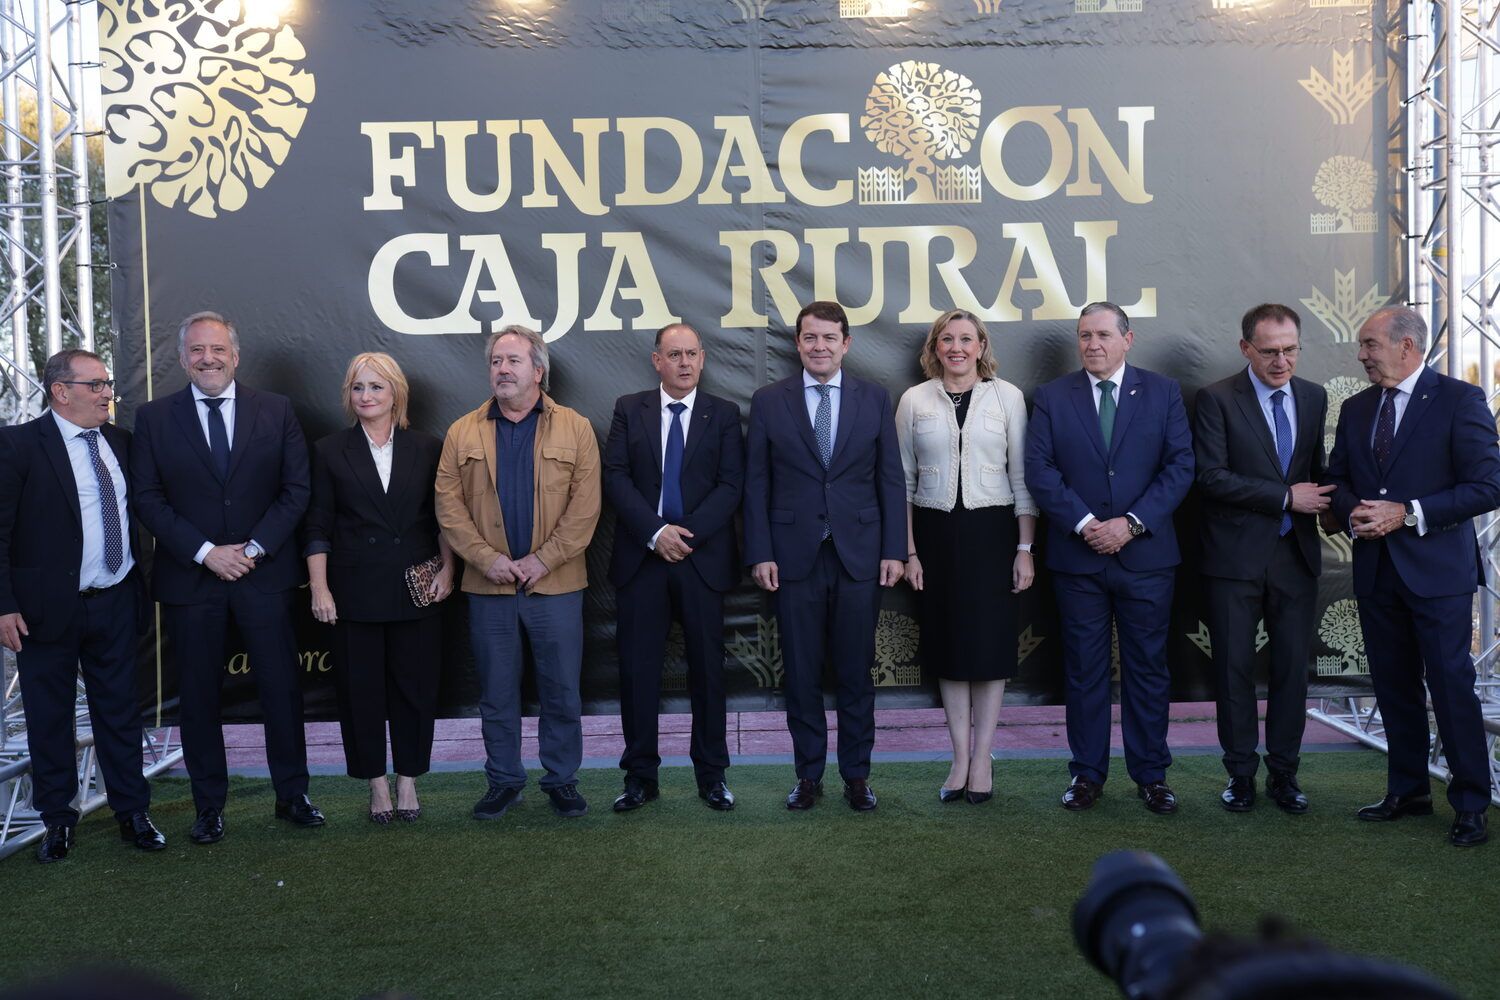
point(518, 499)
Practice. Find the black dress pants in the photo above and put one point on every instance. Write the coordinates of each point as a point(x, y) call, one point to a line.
point(387, 672)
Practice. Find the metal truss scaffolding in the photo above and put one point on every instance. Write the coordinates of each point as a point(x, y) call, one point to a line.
point(1448, 143)
point(46, 209)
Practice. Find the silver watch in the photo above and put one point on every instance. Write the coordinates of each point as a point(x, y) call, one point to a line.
point(1024, 547)
point(253, 551)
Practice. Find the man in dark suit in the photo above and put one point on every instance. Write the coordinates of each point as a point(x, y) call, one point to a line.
point(1258, 441)
point(825, 529)
point(220, 479)
point(1414, 461)
point(1109, 458)
point(674, 469)
point(71, 596)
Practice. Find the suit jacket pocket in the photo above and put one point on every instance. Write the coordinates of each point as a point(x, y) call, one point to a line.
point(869, 515)
point(782, 516)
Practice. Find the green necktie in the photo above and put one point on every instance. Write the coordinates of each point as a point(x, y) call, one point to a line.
point(1107, 410)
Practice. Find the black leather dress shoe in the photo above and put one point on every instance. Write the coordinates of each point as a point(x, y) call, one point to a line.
point(1469, 830)
point(138, 829)
point(1282, 789)
point(1081, 794)
point(55, 845)
point(859, 795)
point(300, 811)
point(1158, 798)
point(717, 795)
point(805, 794)
point(1395, 806)
point(208, 828)
point(637, 793)
point(1239, 795)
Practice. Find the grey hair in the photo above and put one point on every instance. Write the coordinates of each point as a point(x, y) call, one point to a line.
point(1403, 321)
point(59, 368)
point(1122, 322)
point(206, 316)
point(538, 348)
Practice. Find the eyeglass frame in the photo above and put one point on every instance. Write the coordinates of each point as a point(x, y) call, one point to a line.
point(95, 385)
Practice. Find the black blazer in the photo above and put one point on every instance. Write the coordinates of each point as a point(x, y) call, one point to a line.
point(41, 526)
point(713, 477)
point(372, 535)
point(1240, 476)
point(181, 500)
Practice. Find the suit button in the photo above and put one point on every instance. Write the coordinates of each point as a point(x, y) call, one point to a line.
point(1111, 472)
point(1382, 491)
point(372, 541)
point(398, 541)
point(227, 502)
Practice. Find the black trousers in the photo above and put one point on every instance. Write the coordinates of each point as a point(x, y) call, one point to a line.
point(1285, 596)
point(659, 592)
point(103, 646)
point(198, 634)
point(387, 672)
point(829, 614)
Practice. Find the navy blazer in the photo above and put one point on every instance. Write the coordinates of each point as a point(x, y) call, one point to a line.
point(713, 479)
point(41, 526)
point(1147, 470)
point(788, 492)
point(181, 500)
point(1239, 475)
point(372, 535)
point(1445, 457)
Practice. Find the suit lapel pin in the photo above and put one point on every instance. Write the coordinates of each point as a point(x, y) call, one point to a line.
point(1132, 392)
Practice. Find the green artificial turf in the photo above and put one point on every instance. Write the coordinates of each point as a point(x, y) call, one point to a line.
point(916, 899)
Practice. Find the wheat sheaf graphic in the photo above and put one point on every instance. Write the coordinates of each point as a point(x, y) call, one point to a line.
point(202, 99)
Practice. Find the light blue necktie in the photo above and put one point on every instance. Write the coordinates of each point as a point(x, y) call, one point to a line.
point(1283, 446)
point(823, 431)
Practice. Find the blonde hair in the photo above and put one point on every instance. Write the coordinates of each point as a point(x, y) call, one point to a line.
point(384, 367)
point(933, 368)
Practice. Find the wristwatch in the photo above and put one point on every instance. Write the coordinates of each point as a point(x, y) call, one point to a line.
point(1024, 547)
point(253, 551)
point(1137, 529)
point(1410, 520)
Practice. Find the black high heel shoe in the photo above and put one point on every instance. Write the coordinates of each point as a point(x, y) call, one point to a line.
point(951, 794)
point(975, 798)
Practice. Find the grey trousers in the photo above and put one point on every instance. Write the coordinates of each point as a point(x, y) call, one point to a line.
point(553, 626)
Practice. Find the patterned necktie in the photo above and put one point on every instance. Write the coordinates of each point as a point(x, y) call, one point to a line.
point(1283, 446)
point(218, 437)
point(671, 467)
point(823, 424)
point(1107, 410)
point(109, 507)
point(1385, 428)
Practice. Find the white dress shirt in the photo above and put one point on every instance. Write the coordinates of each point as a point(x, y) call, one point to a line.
point(1263, 393)
point(1404, 389)
point(666, 425)
point(811, 396)
point(93, 572)
point(382, 454)
point(1116, 378)
point(226, 410)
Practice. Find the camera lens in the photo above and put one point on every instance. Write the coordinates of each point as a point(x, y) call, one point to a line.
point(1135, 922)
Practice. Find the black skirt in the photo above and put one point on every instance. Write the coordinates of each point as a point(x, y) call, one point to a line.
point(966, 608)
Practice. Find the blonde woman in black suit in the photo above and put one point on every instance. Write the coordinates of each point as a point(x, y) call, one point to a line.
point(372, 518)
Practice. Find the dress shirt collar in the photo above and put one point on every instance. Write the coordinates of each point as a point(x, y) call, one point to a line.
point(1264, 392)
point(199, 395)
point(1117, 376)
point(1407, 385)
point(67, 428)
point(688, 400)
point(494, 411)
point(389, 441)
point(808, 382)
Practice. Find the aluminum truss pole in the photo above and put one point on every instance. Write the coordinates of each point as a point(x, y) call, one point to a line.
point(15, 211)
point(83, 241)
point(46, 143)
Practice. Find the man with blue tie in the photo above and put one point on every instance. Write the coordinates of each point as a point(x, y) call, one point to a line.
point(221, 480)
point(71, 597)
point(825, 530)
point(674, 470)
point(1258, 441)
point(1414, 462)
point(1109, 458)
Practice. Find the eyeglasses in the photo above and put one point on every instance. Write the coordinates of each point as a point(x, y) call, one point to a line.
point(96, 386)
point(1290, 353)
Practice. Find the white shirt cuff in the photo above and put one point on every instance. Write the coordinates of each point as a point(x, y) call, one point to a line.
point(203, 552)
point(1416, 506)
point(652, 544)
point(1078, 528)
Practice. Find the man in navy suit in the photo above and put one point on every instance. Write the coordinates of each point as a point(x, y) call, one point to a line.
point(1109, 458)
point(1414, 461)
point(221, 480)
point(674, 469)
point(825, 529)
point(71, 596)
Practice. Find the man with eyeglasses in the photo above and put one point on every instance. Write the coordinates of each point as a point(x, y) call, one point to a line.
point(221, 480)
point(1258, 439)
point(674, 469)
point(72, 598)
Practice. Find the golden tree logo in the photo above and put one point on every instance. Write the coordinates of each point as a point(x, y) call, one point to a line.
point(1345, 184)
point(1347, 311)
point(921, 113)
point(201, 100)
point(1340, 389)
point(895, 650)
point(760, 653)
point(1343, 96)
point(987, 6)
point(751, 10)
point(1340, 632)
